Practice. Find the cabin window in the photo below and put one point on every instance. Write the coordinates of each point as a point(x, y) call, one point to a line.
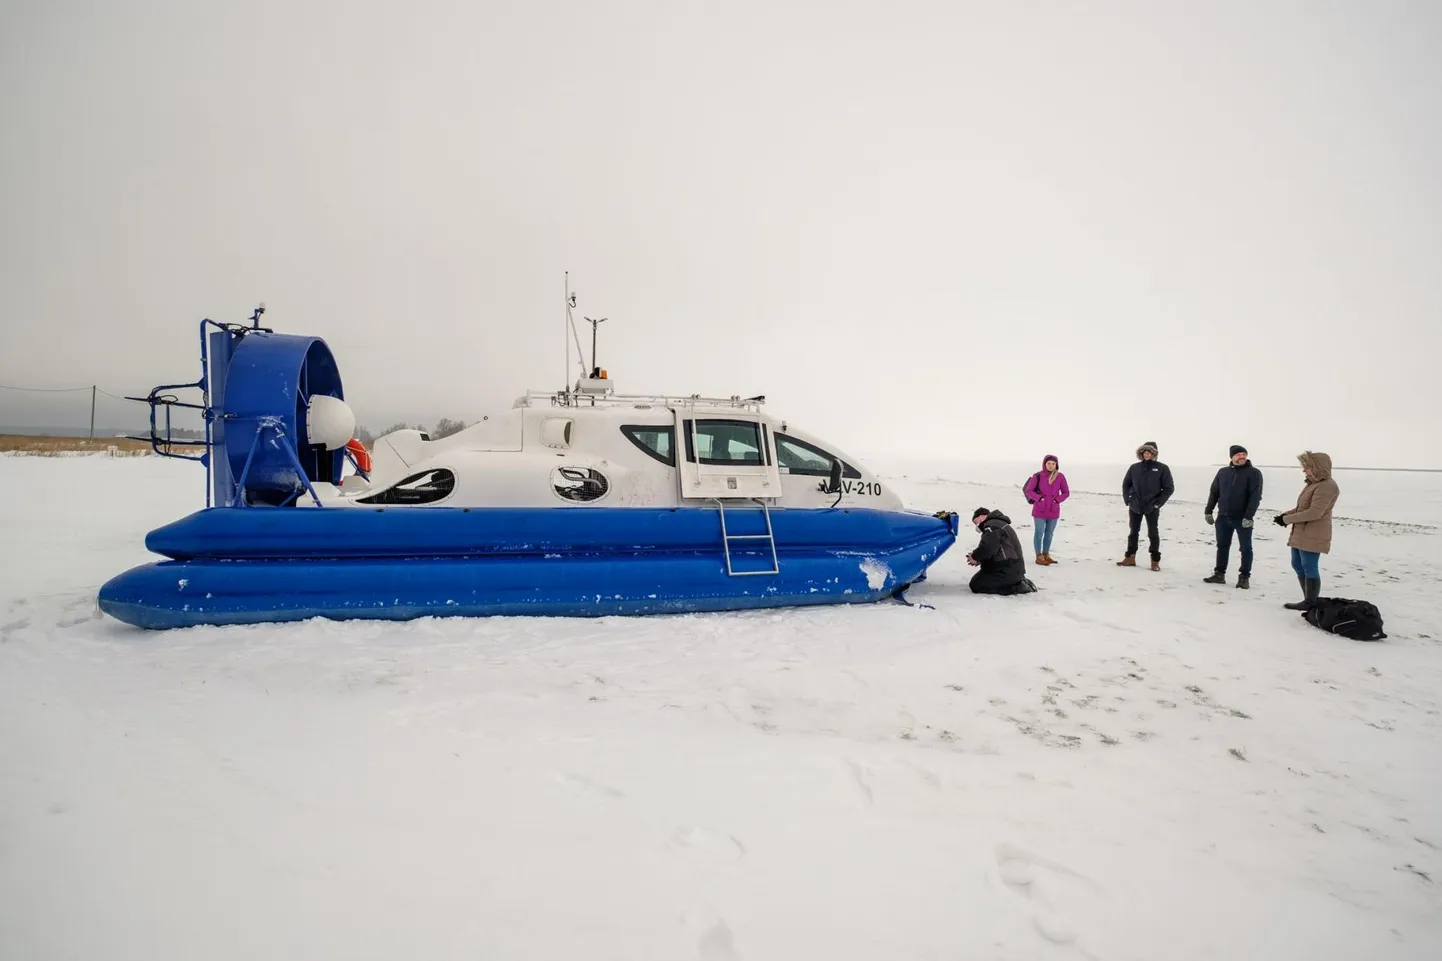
point(726, 443)
point(798, 457)
point(658, 442)
point(426, 487)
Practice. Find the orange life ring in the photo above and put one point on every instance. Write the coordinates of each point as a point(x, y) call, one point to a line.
point(361, 455)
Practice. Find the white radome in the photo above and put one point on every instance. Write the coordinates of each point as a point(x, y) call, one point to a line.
point(329, 421)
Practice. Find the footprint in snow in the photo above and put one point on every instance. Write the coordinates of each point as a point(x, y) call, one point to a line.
point(586, 787)
point(1052, 890)
point(704, 842)
point(717, 944)
point(714, 941)
point(861, 776)
point(926, 774)
point(69, 622)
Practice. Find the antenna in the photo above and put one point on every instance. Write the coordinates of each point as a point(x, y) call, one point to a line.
point(594, 324)
point(571, 323)
point(570, 302)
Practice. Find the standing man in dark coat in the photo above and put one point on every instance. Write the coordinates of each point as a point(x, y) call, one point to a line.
point(1236, 495)
point(1146, 487)
point(998, 554)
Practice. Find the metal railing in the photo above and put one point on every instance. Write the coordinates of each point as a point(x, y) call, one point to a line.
point(581, 399)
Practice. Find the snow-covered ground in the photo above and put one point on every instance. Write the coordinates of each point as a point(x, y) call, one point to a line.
point(1127, 765)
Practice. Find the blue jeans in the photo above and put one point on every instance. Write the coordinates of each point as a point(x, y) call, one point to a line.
point(1305, 563)
point(1226, 527)
point(1041, 537)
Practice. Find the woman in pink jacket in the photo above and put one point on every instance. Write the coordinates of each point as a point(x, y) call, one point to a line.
point(1045, 490)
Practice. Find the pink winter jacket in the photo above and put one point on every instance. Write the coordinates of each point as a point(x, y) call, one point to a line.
point(1044, 494)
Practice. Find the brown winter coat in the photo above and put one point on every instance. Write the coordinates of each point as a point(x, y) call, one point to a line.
point(1311, 519)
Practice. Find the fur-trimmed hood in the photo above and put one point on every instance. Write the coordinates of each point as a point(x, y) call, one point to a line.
point(1319, 464)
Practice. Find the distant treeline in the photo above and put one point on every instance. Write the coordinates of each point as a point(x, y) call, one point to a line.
point(445, 427)
point(1383, 470)
point(179, 433)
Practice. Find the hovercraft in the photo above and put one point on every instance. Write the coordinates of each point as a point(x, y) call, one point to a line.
point(580, 502)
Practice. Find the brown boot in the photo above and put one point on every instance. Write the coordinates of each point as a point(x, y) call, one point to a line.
point(1129, 561)
point(1042, 560)
point(1049, 558)
point(1156, 565)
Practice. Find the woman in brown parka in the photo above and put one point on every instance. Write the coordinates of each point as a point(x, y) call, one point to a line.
point(1311, 522)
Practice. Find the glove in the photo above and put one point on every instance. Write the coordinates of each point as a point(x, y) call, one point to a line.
point(1211, 519)
point(1280, 520)
point(1246, 522)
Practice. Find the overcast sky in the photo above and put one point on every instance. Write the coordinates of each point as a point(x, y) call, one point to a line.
point(980, 230)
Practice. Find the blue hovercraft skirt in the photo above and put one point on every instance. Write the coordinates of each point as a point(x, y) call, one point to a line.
point(253, 565)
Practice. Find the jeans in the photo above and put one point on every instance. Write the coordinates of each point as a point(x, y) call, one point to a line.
point(1305, 563)
point(1154, 539)
point(1226, 527)
point(1041, 537)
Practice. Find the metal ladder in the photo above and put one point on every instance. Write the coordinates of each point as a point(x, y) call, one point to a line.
point(769, 537)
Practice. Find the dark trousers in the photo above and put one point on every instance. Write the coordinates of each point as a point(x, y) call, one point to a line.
point(1154, 539)
point(1008, 577)
point(1226, 527)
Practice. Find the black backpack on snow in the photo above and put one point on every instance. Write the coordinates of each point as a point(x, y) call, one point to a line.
point(1359, 620)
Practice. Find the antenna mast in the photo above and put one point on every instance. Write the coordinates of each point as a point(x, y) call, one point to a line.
point(571, 323)
point(594, 324)
point(566, 334)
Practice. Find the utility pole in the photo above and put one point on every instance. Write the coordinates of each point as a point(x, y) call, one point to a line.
point(92, 411)
point(594, 324)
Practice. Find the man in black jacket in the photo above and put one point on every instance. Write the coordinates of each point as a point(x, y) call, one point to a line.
point(1236, 495)
point(998, 554)
point(1146, 487)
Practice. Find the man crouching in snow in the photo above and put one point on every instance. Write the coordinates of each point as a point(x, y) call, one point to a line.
point(998, 554)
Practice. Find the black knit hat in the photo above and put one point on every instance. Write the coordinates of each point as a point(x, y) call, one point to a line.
point(979, 511)
point(1237, 449)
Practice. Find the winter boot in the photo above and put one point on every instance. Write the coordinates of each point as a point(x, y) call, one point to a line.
point(1129, 561)
point(1156, 563)
point(1244, 582)
point(1041, 560)
point(1302, 583)
point(1049, 558)
point(1313, 587)
point(1218, 577)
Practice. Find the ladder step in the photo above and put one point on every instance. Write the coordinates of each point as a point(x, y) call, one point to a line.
point(769, 537)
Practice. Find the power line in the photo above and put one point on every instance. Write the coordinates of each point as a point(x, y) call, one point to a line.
point(67, 390)
point(93, 389)
point(49, 390)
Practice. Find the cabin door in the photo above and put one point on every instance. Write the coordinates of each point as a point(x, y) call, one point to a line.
point(721, 455)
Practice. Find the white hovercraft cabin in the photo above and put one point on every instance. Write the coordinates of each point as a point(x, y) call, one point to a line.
point(594, 447)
